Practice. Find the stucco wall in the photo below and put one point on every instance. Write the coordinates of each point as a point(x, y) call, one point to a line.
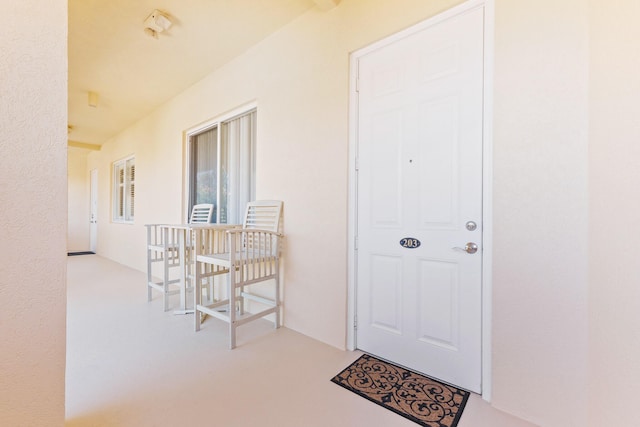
point(78, 196)
point(541, 210)
point(299, 79)
point(614, 179)
point(33, 213)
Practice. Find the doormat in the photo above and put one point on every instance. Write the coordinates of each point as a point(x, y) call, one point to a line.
point(80, 253)
point(422, 400)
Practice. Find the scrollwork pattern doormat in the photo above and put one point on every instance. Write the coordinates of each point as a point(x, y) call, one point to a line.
point(414, 396)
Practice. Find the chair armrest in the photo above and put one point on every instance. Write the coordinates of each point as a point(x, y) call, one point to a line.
point(254, 230)
point(161, 225)
point(221, 227)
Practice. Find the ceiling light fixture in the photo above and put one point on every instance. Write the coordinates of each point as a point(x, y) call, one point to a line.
point(156, 23)
point(93, 99)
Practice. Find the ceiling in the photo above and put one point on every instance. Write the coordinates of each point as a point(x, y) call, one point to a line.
point(133, 73)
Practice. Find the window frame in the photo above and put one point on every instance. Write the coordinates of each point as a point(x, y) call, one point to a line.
point(128, 186)
point(216, 122)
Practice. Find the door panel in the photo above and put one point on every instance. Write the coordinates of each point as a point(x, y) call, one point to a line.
point(386, 289)
point(420, 176)
point(439, 300)
point(386, 200)
point(439, 167)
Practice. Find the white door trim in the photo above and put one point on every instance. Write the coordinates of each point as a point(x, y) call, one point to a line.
point(93, 210)
point(487, 167)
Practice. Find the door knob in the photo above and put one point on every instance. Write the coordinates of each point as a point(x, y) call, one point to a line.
point(470, 248)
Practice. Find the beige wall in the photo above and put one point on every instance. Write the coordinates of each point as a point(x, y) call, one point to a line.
point(614, 180)
point(541, 206)
point(78, 200)
point(541, 210)
point(33, 217)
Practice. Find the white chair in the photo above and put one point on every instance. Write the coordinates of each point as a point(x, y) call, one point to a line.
point(163, 246)
point(250, 255)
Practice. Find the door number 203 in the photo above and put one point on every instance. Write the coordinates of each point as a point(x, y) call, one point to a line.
point(409, 243)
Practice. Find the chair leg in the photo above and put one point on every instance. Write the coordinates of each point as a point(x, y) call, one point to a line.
point(232, 335)
point(276, 322)
point(232, 309)
point(149, 274)
point(197, 296)
point(277, 296)
point(239, 298)
point(208, 284)
point(165, 282)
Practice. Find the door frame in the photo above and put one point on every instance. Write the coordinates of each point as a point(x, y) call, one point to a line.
point(93, 216)
point(487, 175)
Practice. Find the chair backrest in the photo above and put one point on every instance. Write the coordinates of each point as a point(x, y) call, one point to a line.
point(263, 215)
point(201, 214)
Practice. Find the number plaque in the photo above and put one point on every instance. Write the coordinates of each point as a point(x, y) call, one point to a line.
point(410, 243)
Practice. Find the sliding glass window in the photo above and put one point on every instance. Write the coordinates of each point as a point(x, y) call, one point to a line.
point(222, 166)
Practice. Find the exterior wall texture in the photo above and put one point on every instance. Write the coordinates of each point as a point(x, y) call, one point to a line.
point(614, 208)
point(33, 217)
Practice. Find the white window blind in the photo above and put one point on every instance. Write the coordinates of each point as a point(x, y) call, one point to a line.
point(222, 166)
point(238, 136)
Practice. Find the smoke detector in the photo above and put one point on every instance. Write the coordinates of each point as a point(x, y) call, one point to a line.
point(156, 23)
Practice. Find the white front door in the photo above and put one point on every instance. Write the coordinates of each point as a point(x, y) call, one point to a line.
point(93, 220)
point(419, 200)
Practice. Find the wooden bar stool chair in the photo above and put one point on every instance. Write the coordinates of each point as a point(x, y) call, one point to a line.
point(163, 246)
point(250, 255)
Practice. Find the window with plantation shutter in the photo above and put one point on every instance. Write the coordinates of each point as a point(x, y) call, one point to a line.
point(124, 190)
